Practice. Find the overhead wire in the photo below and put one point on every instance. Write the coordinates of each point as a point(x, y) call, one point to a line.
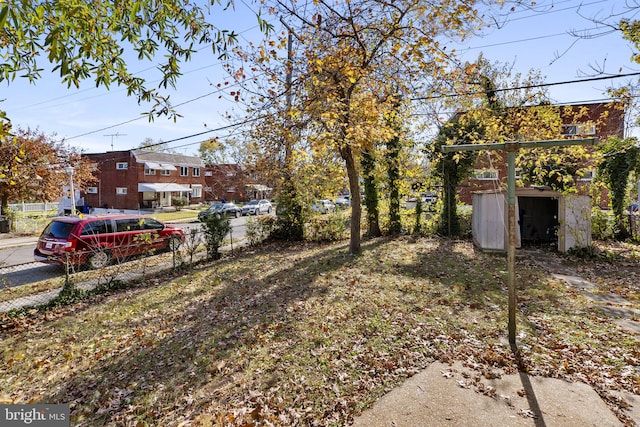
point(412, 99)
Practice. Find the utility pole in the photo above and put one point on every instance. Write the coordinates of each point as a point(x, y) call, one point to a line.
point(116, 135)
point(288, 83)
point(511, 148)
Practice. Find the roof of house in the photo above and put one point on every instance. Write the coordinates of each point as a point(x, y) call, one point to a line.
point(226, 167)
point(143, 156)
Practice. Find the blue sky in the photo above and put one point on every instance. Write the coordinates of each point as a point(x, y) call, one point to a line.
point(97, 120)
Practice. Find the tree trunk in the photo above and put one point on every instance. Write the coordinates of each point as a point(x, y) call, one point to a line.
point(449, 222)
point(4, 204)
point(370, 194)
point(393, 173)
point(354, 188)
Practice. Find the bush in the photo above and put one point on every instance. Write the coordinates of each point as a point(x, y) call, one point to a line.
point(329, 227)
point(179, 202)
point(260, 229)
point(602, 224)
point(216, 228)
point(465, 213)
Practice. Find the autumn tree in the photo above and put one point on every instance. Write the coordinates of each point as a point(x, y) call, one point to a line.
point(32, 168)
point(219, 151)
point(90, 41)
point(348, 55)
point(490, 110)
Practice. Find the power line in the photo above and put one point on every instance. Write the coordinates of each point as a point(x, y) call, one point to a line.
point(219, 90)
point(533, 86)
point(152, 67)
point(534, 38)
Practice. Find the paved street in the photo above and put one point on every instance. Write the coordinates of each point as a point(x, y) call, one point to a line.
point(18, 268)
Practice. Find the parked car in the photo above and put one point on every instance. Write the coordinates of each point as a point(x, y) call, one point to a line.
point(95, 241)
point(343, 201)
point(257, 207)
point(428, 202)
point(219, 209)
point(323, 206)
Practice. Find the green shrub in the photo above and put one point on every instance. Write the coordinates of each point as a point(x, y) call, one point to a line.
point(329, 227)
point(260, 229)
point(602, 224)
point(216, 228)
point(179, 202)
point(465, 220)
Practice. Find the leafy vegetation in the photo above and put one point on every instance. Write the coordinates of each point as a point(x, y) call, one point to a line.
point(26, 171)
point(621, 157)
point(215, 227)
point(309, 334)
point(85, 41)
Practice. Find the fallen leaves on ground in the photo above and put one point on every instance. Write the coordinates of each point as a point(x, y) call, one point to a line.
point(307, 334)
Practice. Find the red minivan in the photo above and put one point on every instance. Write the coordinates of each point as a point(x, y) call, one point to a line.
point(95, 241)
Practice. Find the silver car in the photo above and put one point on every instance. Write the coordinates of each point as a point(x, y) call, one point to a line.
point(323, 206)
point(257, 207)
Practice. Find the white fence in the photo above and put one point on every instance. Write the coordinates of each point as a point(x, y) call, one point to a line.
point(33, 207)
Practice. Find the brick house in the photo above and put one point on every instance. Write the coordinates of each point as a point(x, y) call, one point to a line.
point(596, 120)
point(139, 179)
point(232, 182)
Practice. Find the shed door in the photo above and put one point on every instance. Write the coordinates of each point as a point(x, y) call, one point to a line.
point(538, 219)
point(575, 222)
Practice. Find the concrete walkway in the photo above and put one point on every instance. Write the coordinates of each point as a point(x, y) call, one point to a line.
point(455, 396)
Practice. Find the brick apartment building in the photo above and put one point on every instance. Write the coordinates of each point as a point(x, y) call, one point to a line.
point(596, 120)
point(139, 179)
point(232, 182)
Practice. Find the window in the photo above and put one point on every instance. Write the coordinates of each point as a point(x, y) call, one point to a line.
point(97, 227)
point(197, 190)
point(231, 190)
point(149, 171)
point(196, 171)
point(151, 224)
point(588, 175)
point(184, 171)
point(208, 173)
point(121, 190)
point(165, 172)
point(128, 224)
point(92, 190)
point(485, 174)
point(230, 174)
point(122, 166)
point(579, 129)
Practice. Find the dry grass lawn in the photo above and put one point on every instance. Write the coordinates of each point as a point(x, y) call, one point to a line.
point(306, 334)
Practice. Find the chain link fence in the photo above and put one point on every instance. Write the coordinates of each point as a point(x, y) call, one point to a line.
point(69, 282)
point(41, 287)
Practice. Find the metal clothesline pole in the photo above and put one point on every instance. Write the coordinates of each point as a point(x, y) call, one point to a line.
point(511, 148)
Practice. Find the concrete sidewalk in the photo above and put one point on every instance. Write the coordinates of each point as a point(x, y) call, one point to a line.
point(11, 240)
point(456, 396)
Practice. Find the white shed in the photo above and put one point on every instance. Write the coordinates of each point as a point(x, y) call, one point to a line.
point(542, 216)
